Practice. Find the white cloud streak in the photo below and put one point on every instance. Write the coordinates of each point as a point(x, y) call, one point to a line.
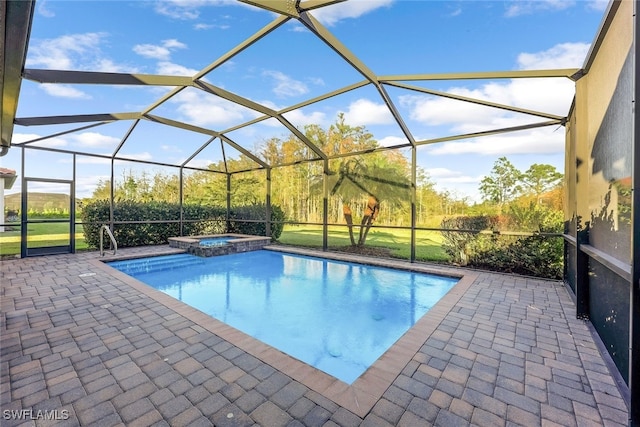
point(203, 109)
point(522, 7)
point(94, 139)
point(73, 52)
point(286, 86)
point(549, 95)
point(64, 91)
point(365, 112)
point(331, 15)
point(160, 52)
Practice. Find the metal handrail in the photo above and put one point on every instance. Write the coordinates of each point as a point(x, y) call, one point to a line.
point(113, 240)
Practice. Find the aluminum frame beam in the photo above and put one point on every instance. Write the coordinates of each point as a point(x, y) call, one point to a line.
point(16, 17)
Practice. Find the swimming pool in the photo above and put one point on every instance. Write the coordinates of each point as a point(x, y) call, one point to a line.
point(336, 316)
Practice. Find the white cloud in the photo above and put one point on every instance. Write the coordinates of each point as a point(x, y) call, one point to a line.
point(563, 55)
point(318, 81)
point(86, 185)
point(137, 156)
point(330, 15)
point(547, 95)
point(19, 138)
point(160, 52)
point(599, 5)
point(62, 52)
point(189, 9)
point(200, 163)
point(366, 112)
point(537, 141)
point(522, 7)
point(286, 86)
point(171, 69)
point(202, 26)
point(449, 176)
point(300, 119)
point(64, 91)
point(94, 139)
point(170, 148)
point(152, 51)
point(390, 141)
point(90, 160)
point(202, 109)
point(44, 10)
point(73, 52)
point(173, 44)
point(108, 66)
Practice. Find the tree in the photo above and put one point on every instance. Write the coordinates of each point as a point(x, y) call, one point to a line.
point(539, 179)
point(377, 177)
point(503, 184)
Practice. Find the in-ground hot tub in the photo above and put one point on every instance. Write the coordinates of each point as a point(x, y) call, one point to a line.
point(219, 244)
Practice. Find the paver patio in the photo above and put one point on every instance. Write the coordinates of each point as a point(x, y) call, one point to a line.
point(84, 343)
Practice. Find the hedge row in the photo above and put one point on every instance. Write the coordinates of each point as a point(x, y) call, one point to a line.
point(533, 255)
point(258, 213)
point(198, 220)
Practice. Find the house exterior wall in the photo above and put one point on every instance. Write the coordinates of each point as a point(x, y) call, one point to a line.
point(599, 218)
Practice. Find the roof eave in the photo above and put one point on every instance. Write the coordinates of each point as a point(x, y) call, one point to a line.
point(17, 17)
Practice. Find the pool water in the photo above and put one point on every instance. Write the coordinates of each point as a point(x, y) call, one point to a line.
point(338, 317)
point(216, 241)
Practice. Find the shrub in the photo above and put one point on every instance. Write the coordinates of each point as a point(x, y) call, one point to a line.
point(531, 255)
point(155, 228)
point(238, 217)
point(457, 243)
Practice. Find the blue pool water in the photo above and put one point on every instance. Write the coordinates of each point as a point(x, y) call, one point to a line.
point(215, 241)
point(338, 317)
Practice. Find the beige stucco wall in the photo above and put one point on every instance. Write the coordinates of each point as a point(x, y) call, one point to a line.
point(595, 192)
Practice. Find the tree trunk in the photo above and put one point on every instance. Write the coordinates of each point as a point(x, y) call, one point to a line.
point(346, 211)
point(370, 213)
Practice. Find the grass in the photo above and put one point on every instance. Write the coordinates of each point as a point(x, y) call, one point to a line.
point(40, 235)
point(397, 242)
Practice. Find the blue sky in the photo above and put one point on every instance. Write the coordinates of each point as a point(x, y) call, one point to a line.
point(290, 65)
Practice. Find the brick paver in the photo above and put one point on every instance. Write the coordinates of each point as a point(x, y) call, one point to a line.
point(83, 343)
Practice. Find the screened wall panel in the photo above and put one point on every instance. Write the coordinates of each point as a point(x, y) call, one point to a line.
point(607, 89)
point(601, 130)
point(298, 190)
point(205, 188)
point(249, 188)
point(609, 313)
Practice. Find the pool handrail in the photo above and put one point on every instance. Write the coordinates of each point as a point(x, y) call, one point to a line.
point(113, 239)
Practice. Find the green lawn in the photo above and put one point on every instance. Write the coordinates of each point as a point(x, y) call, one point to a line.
point(428, 243)
point(40, 235)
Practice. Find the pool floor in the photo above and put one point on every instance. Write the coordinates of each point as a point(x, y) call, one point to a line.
point(338, 317)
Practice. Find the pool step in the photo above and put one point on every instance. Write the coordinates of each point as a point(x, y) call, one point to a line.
point(155, 264)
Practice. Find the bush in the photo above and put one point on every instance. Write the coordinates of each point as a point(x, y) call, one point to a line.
point(532, 255)
point(457, 244)
point(198, 220)
point(258, 213)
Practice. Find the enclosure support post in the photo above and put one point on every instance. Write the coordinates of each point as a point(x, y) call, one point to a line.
point(228, 203)
point(23, 210)
point(325, 205)
point(634, 315)
point(582, 275)
point(268, 224)
point(111, 198)
point(72, 210)
point(414, 162)
point(181, 199)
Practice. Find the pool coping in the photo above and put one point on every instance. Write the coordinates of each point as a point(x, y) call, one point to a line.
point(366, 390)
